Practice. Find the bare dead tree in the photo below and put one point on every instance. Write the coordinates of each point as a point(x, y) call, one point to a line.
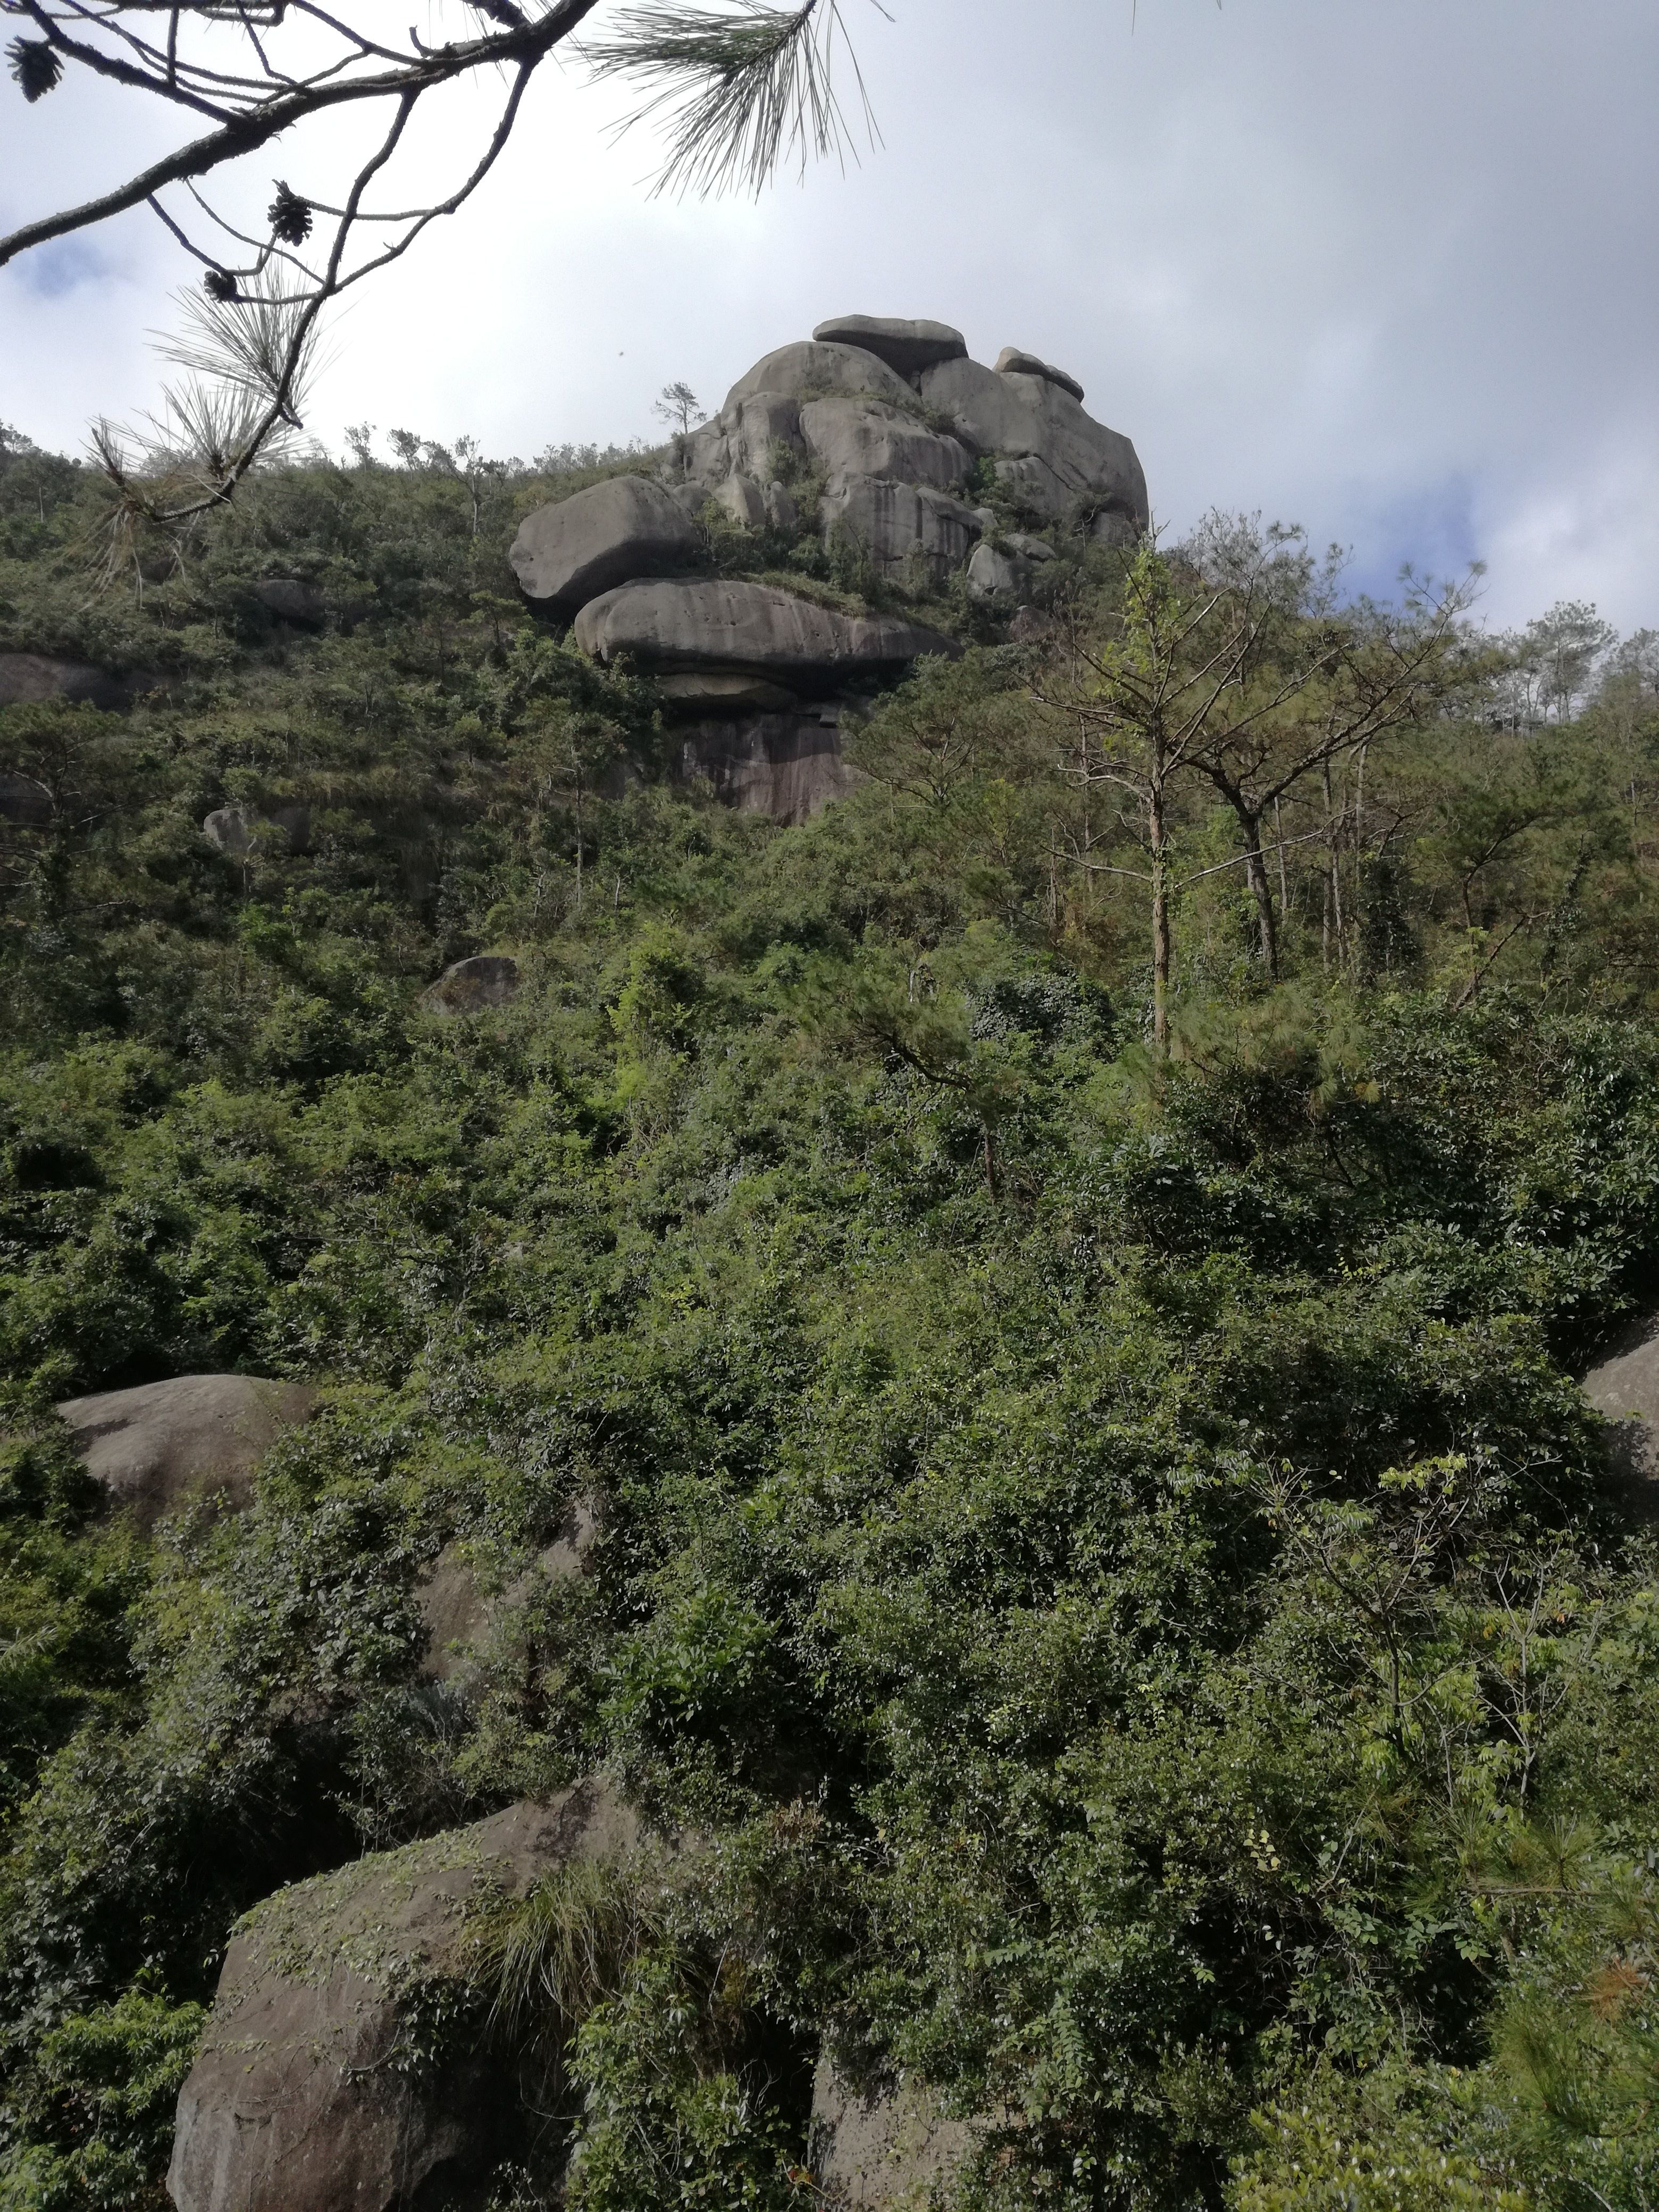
point(742, 88)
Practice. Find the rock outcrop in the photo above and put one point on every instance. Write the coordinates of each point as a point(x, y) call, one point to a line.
point(756, 627)
point(1624, 1386)
point(488, 979)
point(343, 2068)
point(29, 677)
point(867, 437)
point(567, 554)
point(460, 1612)
point(294, 600)
point(235, 831)
point(153, 1447)
point(886, 2147)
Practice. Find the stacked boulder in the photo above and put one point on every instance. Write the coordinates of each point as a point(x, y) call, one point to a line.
point(871, 434)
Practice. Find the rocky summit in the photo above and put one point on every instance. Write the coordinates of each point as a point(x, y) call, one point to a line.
point(877, 438)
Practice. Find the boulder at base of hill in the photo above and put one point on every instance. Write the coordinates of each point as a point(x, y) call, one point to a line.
point(907, 348)
point(153, 1447)
point(460, 1612)
point(344, 2068)
point(787, 766)
point(1011, 362)
point(24, 803)
point(569, 552)
point(488, 979)
point(886, 2147)
point(29, 677)
point(1624, 1386)
point(756, 627)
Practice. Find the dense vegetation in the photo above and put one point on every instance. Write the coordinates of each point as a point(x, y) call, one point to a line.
point(1104, 1541)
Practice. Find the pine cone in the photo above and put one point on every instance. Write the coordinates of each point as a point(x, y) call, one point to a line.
point(288, 215)
point(36, 66)
point(221, 284)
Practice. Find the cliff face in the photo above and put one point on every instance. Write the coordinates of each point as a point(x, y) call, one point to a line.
point(879, 437)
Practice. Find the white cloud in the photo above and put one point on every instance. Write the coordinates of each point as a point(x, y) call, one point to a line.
point(1384, 269)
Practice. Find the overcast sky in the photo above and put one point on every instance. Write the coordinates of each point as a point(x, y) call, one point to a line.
point(1386, 268)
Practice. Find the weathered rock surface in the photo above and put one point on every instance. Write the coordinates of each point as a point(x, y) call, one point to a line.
point(896, 521)
point(756, 626)
point(808, 370)
point(887, 2146)
point(1012, 361)
point(235, 832)
point(29, 677)
point(322, 2084)
point(1016, 417)
point(568, 553)
point(867, 438)
point(787, 766)
point(741, 499)
point(709, 690)
point(907, 348)
point(293, 599)
point(1624, 1386)
point(996, 574)
point(153, 1447)
point(488, 979)
point(459, 1611)
point(24, 803)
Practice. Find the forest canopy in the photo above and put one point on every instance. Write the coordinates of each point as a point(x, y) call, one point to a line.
point(1099, 1526)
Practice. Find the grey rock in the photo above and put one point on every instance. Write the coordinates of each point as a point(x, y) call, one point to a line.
point(459, 1612)
point(867, 438)
point(292, 599)
point(1032, 484)
point(1624, 1386)
point(741, 499)
point(758, 627)
point(691, 497)
point(704, 457)
point(887, 2146)
point(907, 348)
point(488, 979)
point(760, 426)
point(153, 1447)
point(1029, 626)
point(809, 370)
point(1117, 532)
point(24, 803)
point(780, 509)
point(569, 552)
point(1033, 548)
point(1012, 361)
point(1020, 416)
point(29, 679)
point(995, 573)
point(787, 766)
point(320, 2084)
point(234, 832)
point(898, 521)
point(708, 689)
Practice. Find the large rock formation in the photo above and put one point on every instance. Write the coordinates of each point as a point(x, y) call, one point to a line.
point(343, 2068)
point(867, 436)
point(469, 987)
point(196, 1435)
point(1624, 1386)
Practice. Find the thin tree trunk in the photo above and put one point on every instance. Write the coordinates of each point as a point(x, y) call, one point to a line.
point(1333, 928)
point(1160, 926)
point(1255, 870)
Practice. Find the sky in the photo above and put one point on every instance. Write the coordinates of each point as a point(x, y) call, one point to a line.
point(1383, 267)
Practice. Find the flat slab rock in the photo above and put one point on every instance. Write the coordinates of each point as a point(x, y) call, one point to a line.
point(1012, 361)
point(907, 347)
point(570, 551)
point(751, 626)
point(321, 2084)
point(154, 1446)
point(809, 370)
